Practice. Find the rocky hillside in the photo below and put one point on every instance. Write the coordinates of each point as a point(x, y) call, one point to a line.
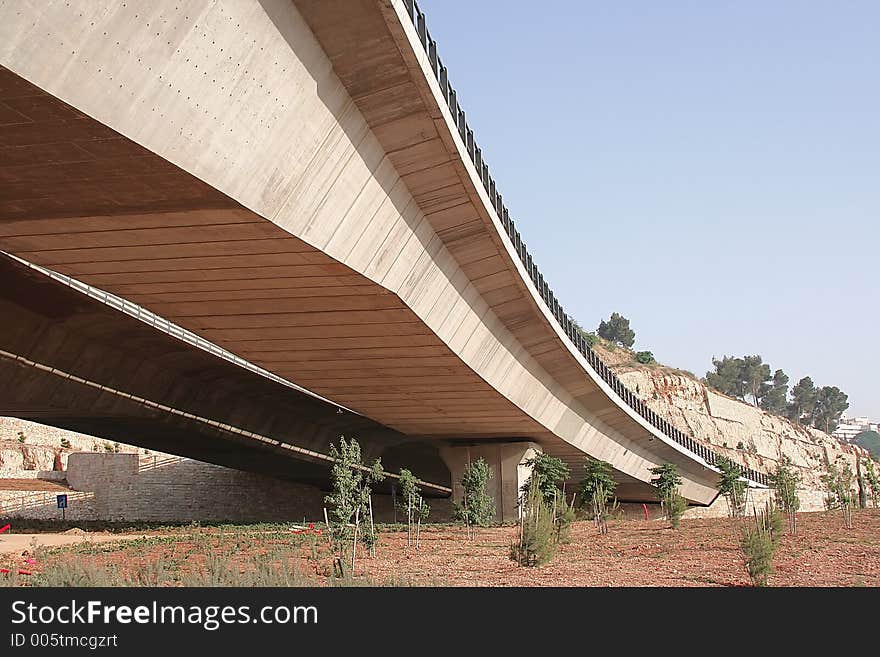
point(27, 448)
point(737, 430)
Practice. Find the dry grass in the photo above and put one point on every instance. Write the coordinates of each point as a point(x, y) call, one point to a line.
point(634, 553)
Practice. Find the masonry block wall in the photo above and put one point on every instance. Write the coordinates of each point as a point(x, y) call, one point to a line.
point(125, 487)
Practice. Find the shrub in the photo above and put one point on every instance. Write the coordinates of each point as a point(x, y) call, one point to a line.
point(645, 357)
point(873, 481)
point(564, 514)
point(617, 330)
point(759, 543)
point(597, 489)
point(65, 443)
point(839, 483)
point(588, 336)
point(784, 483)
point(350, 499)
point(732, 486)
point(411, 503)
point(21, 437)
point(675, 506)
point(538, 532)
point(758, 548)
point(477, 508)
point(667, 482)
point(548, 472)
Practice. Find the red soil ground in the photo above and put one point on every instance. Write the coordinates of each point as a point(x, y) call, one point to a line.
point(635, 553)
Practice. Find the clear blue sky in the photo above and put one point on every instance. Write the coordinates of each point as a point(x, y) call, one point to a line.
point(709, 169)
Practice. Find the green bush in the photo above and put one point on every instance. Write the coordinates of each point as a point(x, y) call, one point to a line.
point(538, 533)
point(617, 331)
point(759, 548)
point(645, 357)
point(667, 482)
point(675, 506)
point(477, 508)
point(759, 542)
point(873, 482)
point(565, 515)
point(350, 499)
point(411, 503)
point(548, 472)
point(732, 486)
point(597, 490)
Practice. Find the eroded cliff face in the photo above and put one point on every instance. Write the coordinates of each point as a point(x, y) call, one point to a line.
point(42, 448)
point(743, 433)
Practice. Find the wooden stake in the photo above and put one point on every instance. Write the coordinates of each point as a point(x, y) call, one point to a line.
point(419, 526)
point(409, 519)
point(357, 518)
point(337, 560)
point(372, 529)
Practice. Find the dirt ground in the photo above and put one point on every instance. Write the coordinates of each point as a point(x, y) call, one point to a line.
point(638, 553)
point(635, 553)
point(18, 543)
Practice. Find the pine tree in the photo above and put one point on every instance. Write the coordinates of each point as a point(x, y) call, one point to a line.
point(732, 486)
point(538, 538)
point(597, 490)
point(617, 330)
point(667, 482)
point(784, 483)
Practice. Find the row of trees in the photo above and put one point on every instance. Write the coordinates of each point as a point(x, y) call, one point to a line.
point(546, 514)
point(616, 331)
point(350, 521)
point(750, 379)
point(759, 540)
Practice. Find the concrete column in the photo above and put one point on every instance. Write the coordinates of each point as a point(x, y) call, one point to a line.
point(505, 460)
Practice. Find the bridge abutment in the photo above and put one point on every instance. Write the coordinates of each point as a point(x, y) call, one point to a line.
point(506, 463)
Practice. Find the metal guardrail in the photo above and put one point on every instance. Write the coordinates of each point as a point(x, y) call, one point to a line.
point(569, 327)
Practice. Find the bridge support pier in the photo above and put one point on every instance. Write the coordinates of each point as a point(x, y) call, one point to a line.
point(505, 460)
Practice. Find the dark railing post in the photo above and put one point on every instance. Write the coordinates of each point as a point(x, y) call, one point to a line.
point(444, 83)
point(422, 30)
point(432, 55)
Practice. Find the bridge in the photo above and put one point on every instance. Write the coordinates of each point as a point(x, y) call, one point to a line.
point(296, 183)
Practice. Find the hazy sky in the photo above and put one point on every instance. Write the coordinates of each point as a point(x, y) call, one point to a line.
point(709, 169)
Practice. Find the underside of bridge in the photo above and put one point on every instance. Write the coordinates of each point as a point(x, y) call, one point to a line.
point(281, 179)
point(73, 362)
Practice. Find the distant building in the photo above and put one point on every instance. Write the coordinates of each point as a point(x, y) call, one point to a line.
point(849, 428)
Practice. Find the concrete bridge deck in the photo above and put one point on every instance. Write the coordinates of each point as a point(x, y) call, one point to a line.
point(295, 182)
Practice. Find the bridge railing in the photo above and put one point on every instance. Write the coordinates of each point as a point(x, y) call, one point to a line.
point(568, 326)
